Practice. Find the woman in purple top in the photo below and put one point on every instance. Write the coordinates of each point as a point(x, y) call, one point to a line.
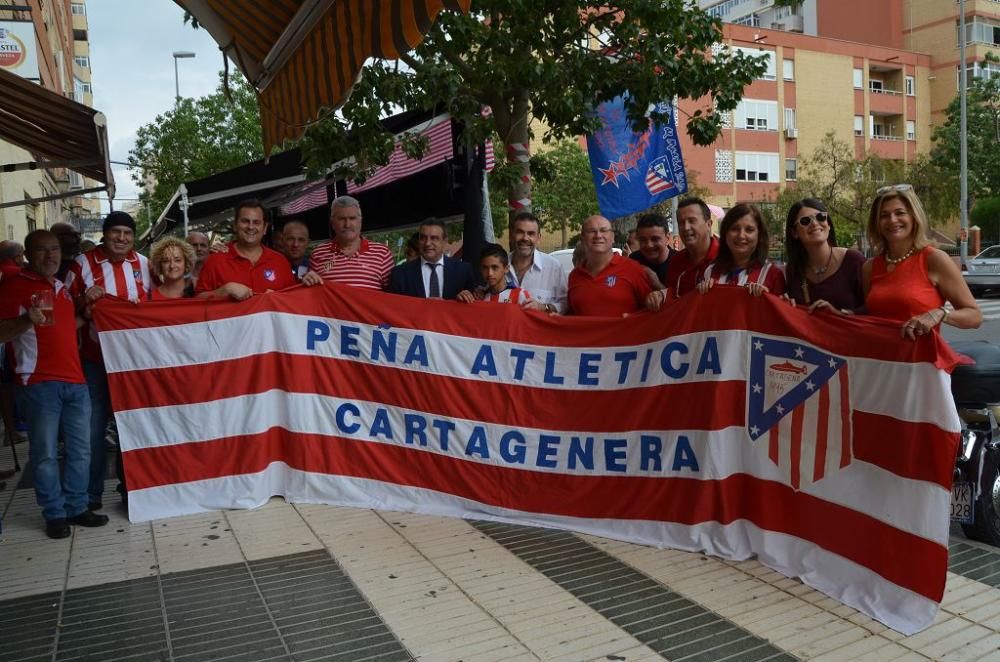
point(819, 273)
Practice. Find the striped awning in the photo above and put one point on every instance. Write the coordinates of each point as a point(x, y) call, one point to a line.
point(304, 56)
point(59, 132)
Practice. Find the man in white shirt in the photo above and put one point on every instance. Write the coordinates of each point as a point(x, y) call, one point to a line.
point(532, 270)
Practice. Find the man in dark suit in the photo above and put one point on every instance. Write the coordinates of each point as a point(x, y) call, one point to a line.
point(432, 275)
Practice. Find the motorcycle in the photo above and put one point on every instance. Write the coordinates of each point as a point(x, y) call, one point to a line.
point(976, 488)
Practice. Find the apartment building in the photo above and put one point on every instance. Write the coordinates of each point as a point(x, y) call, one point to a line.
point(874, 97)
point(50, 46)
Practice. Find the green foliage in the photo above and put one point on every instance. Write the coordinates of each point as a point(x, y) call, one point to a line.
point(983, 114)
point(566, 196)
point(986, 214)
point(196, 138)
point(553, 61)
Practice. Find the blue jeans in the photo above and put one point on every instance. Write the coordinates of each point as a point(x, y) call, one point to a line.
point(55, 409)
point(100, 411)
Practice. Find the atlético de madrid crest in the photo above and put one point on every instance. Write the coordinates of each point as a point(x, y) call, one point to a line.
point(799, 407)
point(610, 281)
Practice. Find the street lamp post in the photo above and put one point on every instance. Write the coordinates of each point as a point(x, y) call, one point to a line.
point(177, 85)
point(963, 141)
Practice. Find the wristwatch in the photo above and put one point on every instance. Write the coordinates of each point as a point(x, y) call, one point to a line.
point(550, 308)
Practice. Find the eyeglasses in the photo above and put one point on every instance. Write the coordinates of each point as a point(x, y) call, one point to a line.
point(897, 188)
point(819, 217)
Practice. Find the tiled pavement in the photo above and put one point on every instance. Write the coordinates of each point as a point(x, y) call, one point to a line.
point(321, 582)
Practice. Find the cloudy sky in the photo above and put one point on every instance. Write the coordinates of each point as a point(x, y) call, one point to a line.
point(131, 47)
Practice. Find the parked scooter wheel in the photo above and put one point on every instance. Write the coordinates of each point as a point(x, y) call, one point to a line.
point(986, 527)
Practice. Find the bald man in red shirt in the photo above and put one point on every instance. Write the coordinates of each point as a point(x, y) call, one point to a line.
point(605, 284)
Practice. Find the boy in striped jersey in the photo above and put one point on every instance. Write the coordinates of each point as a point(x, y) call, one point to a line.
point(493, 263)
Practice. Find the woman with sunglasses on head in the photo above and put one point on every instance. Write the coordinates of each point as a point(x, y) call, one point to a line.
point(909, 279)
point(742, 258)
point(820, 274)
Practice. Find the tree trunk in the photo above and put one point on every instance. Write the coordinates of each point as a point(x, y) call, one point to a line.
point(516, 140)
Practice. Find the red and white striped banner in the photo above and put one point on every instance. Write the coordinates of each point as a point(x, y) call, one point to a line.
point(648, 429)
point(439, 150)
point(310, 198)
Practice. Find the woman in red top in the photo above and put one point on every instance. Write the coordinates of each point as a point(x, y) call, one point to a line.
point(171, 260)
point(742, 258)
point(909, 279)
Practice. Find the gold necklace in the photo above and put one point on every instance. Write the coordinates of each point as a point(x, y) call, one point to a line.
point(897, 260)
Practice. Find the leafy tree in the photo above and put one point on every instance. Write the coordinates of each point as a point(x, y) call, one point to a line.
point(196, 138)
point(983, 113)
point(986, 214)
point(508, 61)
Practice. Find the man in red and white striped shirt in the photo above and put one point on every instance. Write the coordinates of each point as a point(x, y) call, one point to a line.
point(112, 268)
point(349, 258)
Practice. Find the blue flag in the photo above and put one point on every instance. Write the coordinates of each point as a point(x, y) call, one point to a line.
point(634, 171)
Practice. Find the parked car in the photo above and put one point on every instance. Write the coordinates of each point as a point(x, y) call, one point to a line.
point(984, 271)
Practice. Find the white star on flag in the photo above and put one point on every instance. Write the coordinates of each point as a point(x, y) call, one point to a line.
point(758, 345)
point(780, 409)
point(754, 430)
point(799, 352)
point(810, 386)
point(757, 388)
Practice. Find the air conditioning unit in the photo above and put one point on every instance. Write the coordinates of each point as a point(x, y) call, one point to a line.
point(791, 133)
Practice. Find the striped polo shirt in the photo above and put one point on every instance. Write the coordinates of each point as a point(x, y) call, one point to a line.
point(126, 279)
point(369, 267)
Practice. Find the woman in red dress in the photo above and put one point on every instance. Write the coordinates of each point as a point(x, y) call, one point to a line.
point(742, 258)
point(910, 280)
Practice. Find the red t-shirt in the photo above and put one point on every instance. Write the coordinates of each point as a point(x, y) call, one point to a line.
point(683, 276)
point(271, 271)
point(42, 353)
point(8, 268)
point(621, 287)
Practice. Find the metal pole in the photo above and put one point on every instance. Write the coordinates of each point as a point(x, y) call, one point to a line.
point(177, 85)
point(963, 132)
point(184, 207)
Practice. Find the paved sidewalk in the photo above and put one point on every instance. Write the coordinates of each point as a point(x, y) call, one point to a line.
point(309, 582)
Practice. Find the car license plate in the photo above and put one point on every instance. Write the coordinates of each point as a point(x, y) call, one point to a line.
point(961, 503)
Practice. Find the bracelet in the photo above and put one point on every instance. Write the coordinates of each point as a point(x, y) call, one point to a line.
point(944, 316)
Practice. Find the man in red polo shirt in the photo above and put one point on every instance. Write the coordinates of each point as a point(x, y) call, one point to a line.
point(605, 284)
point(687, 268)
point(248, 267)
point(348, 258)
point(111, 269)
point(37, 312)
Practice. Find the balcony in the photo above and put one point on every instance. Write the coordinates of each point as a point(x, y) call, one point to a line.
point(793, 23)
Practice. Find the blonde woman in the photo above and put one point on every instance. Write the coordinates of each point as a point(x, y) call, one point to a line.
point(909, 279)
point(171, 260)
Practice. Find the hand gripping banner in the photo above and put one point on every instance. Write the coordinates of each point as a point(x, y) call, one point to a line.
point(823, 445)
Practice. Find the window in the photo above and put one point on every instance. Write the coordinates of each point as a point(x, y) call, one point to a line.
point(788, 69)
point(910, 86)
point(78, 9)
point(911, 130)
point(769, 72)
point(980, 70)
point(756, 167)
point(859, 79)
point(757, 115)
point(723, 166)
point(875, 85)
point(791, 170)
point(859, 126)
point(789, 118)
point(82, 61)
point(981, 30)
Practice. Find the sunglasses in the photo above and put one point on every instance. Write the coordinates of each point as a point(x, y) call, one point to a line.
point(819, 217)
point(897, 188)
